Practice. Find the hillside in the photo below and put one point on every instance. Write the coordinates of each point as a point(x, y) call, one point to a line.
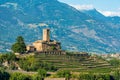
point(53, 66)
point(56, 62)
point(78, 30)
point(77, 63)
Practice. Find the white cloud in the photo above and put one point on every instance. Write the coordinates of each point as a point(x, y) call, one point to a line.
point(110, 13)
point(8, 5)
point(89, 7)
point(36, 25)
point(83, 7)
point(118, 8)
point(19, 22)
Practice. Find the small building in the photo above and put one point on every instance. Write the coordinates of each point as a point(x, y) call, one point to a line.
point(45, 45)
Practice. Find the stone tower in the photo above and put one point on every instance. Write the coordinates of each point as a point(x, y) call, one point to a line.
point(46, 35)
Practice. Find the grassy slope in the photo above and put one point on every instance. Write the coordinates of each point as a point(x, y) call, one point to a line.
point(77, 64)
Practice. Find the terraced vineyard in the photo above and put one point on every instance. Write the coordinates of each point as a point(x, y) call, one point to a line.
point(77, 63)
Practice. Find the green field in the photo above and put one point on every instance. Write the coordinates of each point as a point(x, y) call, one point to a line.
point(76, 64)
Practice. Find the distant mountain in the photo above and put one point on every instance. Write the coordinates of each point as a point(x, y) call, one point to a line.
point(77, 30)
point(115, 19)
point(95, 14)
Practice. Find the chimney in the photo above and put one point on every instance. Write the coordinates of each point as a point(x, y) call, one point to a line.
point(46, 35)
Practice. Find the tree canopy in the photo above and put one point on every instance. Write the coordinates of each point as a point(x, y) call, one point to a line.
point(19, 46)
point(3, 74)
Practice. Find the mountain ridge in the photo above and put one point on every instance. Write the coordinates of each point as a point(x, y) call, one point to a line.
point(77, 30)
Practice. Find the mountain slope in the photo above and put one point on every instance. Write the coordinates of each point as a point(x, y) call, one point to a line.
point(76, 30)
point(95, 14)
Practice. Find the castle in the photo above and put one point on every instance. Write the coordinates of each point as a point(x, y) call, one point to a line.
point(46, 45)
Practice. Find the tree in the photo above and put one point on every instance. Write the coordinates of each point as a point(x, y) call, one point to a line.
point(116, 75)
point(19, 46)
point(4, 75)
point(64, 73)
point(42, 73)
point(107, 77)
point(114, 62)
point(53, 48)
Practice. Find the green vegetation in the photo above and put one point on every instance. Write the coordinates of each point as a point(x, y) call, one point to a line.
point(28, 63)
point(31, 63)
point(90, 76)
point(115, 75)
point(114, 62)
point(60, 66)
point(8, 58)
point(19, 46)
point(3, 74)
point(36, 77)
point(64, 73)
point(19, 76)
point(53, 48)
point(25, 62)
point(42, 73)
point(76, 63)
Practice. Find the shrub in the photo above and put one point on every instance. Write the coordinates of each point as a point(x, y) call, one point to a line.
point(19, 76)
point(37, 77)
point(42, 73)
point(64, 73)
point(86, 77)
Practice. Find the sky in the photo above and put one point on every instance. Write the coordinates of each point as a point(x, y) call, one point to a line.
point(106, 7)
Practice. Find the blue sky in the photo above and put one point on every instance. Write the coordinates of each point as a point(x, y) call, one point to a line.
point(107, 7)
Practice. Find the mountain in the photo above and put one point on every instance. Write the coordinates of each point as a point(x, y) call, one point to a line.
point(77, 30)
point(94, 14)
point(97, 15)
point(115, 19)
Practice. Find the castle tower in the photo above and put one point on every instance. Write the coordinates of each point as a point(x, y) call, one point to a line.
point(46, 35)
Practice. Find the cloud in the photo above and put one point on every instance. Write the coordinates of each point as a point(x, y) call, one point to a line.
point(118, 8)
point(110, 13)
point(83, 7)
point(36, 25)
point(89, 7)
point(8, 5)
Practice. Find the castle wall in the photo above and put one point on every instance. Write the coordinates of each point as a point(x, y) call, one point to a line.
point(38, 46)
point(30, 48)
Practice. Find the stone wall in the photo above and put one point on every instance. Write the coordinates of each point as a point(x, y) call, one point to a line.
point(52, 52)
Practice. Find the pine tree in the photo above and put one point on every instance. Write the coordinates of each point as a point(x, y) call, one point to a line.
point(19, 46)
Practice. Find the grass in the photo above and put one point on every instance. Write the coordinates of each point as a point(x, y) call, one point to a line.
point(77, 64)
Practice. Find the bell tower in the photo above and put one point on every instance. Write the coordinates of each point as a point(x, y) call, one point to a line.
point(46, 35)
